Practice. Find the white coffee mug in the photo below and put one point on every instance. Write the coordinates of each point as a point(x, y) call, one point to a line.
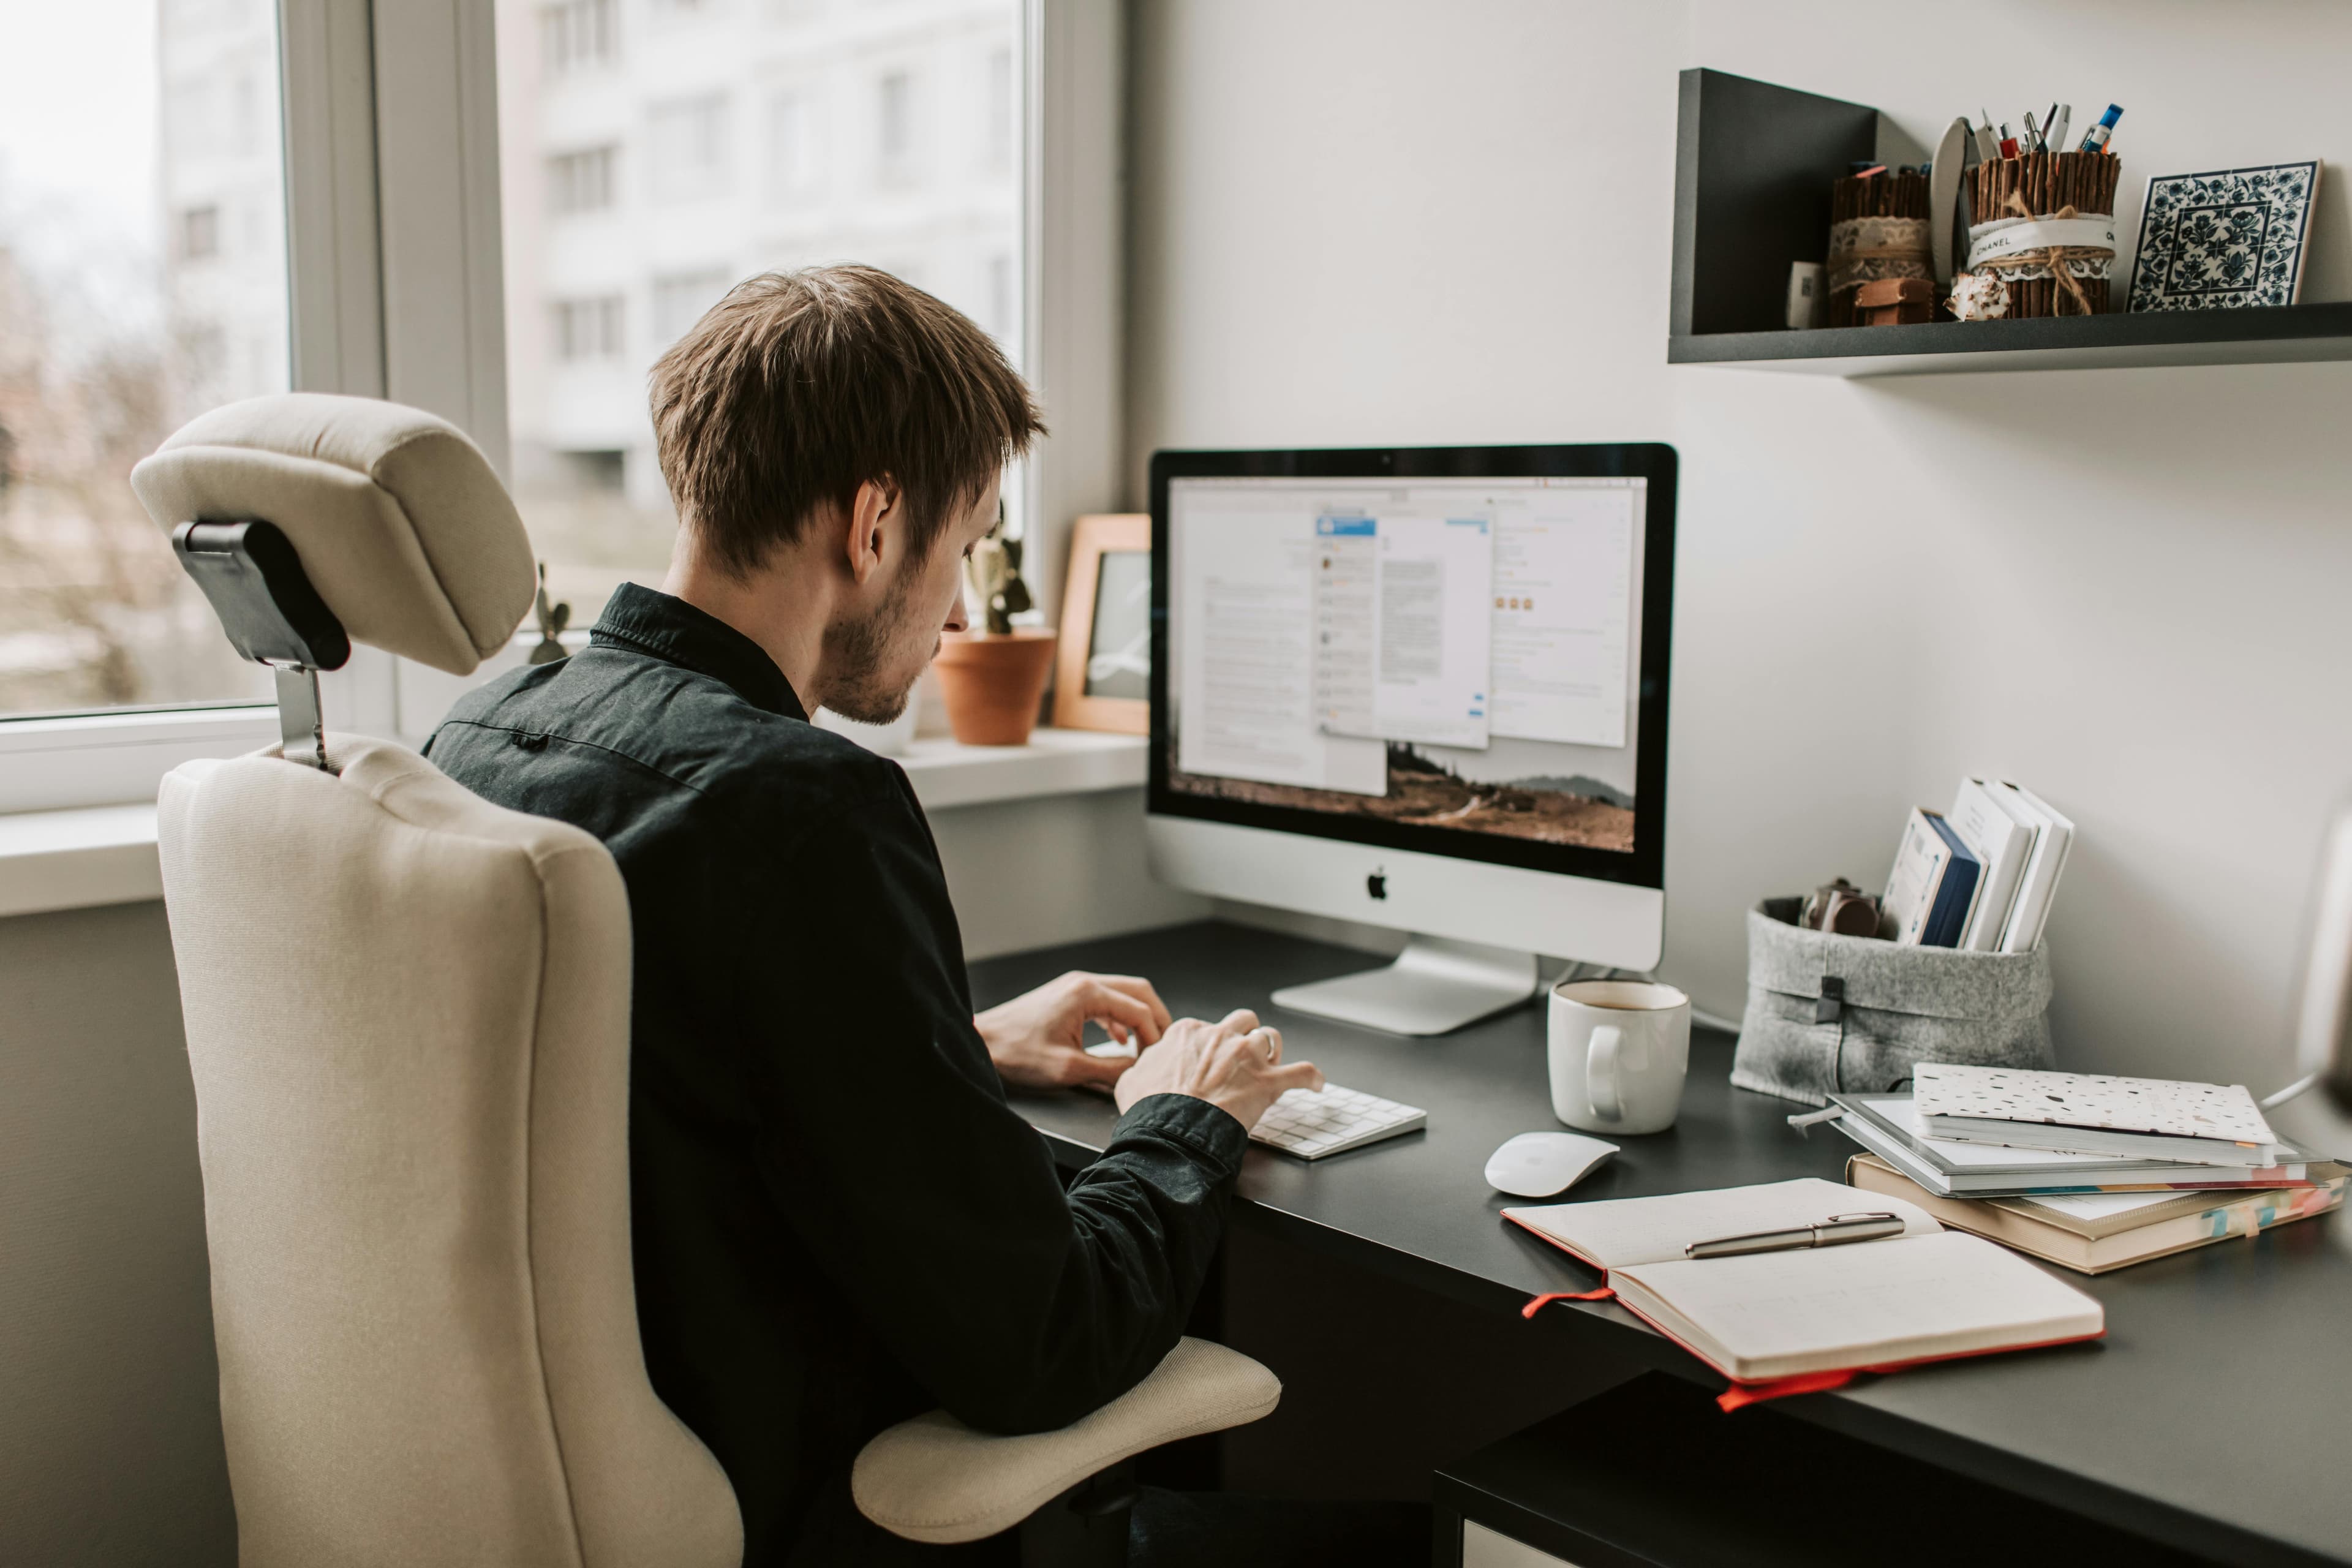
point(1619, 1051)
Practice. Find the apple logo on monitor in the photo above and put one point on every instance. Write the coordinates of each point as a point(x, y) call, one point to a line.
point(1377, 884)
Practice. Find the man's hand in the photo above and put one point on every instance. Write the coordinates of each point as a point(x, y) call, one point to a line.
point(1235, 1065)
point(1039, 1040)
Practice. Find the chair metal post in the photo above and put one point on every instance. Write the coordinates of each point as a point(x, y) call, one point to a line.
point(301, 723)
point(1086, 1526)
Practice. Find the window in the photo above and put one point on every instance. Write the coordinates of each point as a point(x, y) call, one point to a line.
point(894, 121)
point(574, 33)
point(759, 135)
point(588, 329)
point(200, 233)
point(999, 320)
point(680, 299)
point(793, 169)
point(580, 182)
point(687, 148)
point(132, 135)
point(1003, 115)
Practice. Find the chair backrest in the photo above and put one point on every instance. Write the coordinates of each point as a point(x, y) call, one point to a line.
point(408, 1024)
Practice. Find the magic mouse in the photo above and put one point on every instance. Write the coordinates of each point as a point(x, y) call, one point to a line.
point(1545, 1164)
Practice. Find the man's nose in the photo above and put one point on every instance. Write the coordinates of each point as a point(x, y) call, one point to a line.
point(957, 619)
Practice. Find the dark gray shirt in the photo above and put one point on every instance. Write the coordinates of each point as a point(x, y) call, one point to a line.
point(839, 1220)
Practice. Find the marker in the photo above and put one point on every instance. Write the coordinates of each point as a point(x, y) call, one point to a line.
point(2095, 140)
point(2008, 143)
point(2058, 135)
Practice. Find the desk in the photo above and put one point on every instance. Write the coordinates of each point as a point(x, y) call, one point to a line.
point(2211, 1416)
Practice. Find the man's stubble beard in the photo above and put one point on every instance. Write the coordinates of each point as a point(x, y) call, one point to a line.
point(860, 652)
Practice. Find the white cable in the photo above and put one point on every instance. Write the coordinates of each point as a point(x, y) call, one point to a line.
point(2290, 1091)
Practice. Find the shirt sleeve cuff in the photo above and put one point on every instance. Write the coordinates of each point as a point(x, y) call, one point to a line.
point(1208, 1130)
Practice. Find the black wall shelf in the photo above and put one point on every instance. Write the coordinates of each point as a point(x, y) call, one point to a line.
point(1752, 170)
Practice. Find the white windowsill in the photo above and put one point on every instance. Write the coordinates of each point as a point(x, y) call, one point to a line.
point(53, 860)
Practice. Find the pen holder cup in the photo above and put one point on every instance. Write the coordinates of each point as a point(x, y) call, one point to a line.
point(2040, 234)
point(1878, 232)
point(1831, 1014)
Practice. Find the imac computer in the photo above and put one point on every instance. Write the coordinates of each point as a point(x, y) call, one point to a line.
point(1422, 687)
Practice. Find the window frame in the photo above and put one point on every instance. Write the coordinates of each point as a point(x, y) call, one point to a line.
point(396, 286)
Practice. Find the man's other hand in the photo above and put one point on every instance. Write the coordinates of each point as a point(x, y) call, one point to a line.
point(1039, 1040)
point(1235, 1064)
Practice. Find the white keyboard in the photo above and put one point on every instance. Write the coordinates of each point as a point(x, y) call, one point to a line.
point(1311, 1124)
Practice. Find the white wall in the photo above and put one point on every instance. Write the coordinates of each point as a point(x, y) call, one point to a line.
point(1371, 221)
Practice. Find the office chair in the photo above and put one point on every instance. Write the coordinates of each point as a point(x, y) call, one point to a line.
point(407, 1022)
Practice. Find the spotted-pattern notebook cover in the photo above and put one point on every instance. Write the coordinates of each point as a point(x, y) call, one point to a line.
point(2092, 1100)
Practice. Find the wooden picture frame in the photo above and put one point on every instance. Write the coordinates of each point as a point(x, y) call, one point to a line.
point(1087, 696)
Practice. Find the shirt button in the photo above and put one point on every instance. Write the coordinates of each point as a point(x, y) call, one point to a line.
point(530, 741)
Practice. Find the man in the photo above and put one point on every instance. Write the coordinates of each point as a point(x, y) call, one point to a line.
point(839, 1220)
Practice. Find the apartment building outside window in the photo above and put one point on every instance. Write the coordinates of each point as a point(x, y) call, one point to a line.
point(686, 148)
point(794, 166)
point(200, 233)
point(1002, 113)
point(894, 128)
point(574, 33)
point(588, 329)
point(756, 130)
point(581, 181)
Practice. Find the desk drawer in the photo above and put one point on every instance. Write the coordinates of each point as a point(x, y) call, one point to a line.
point(1481, 1548)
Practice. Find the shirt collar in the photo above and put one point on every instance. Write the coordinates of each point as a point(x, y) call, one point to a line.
point(670, 628)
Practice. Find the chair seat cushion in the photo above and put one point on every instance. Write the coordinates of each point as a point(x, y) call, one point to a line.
point(935, 1480)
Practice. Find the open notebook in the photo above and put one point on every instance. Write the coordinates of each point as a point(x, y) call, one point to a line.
point(1926, 1295)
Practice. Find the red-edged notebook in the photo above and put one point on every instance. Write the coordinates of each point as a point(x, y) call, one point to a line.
point(1810, 1318)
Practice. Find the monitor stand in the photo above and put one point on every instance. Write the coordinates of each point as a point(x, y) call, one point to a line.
point(1435, 986)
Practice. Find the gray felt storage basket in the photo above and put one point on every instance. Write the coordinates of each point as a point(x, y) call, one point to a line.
point(1835, 1014)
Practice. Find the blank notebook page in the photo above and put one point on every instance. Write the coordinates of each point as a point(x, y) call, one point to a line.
point(1871, 1303)
point(1620, 1231)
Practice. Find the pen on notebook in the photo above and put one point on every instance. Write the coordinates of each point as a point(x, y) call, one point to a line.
point(1835, 1231)
point(2095, 140)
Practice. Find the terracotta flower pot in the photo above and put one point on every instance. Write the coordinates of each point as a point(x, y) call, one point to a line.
point(992, 685)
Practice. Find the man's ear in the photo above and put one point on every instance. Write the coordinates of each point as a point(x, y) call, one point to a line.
point(872, 512)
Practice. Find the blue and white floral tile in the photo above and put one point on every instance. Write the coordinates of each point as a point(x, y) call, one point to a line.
point(2229, 239)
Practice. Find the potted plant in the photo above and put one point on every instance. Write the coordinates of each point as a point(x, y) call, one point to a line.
point(993, 676)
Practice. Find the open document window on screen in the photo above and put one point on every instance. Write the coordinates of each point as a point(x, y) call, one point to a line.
point(1427, 686)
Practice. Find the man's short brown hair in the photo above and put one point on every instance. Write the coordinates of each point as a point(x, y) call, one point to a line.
point(798, 388)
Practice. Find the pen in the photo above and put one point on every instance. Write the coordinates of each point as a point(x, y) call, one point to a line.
point(2008, 142)
point(2032, 141)
point(1988, 147)
point(2058, 132)
point(2095, 140)
point(1835, 1231)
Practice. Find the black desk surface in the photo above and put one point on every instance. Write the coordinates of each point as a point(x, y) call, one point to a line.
point(2208, 1417)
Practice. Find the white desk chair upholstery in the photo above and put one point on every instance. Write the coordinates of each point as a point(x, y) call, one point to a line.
point(408, 1024)
point(936, 1479)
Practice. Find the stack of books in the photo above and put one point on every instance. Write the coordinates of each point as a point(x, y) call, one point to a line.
point(1980, 876)
point(2087, 1170)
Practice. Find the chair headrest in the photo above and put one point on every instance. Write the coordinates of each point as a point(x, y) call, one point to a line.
point(400, 524)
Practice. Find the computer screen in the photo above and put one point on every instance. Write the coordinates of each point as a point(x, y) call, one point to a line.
point(1446, 661)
